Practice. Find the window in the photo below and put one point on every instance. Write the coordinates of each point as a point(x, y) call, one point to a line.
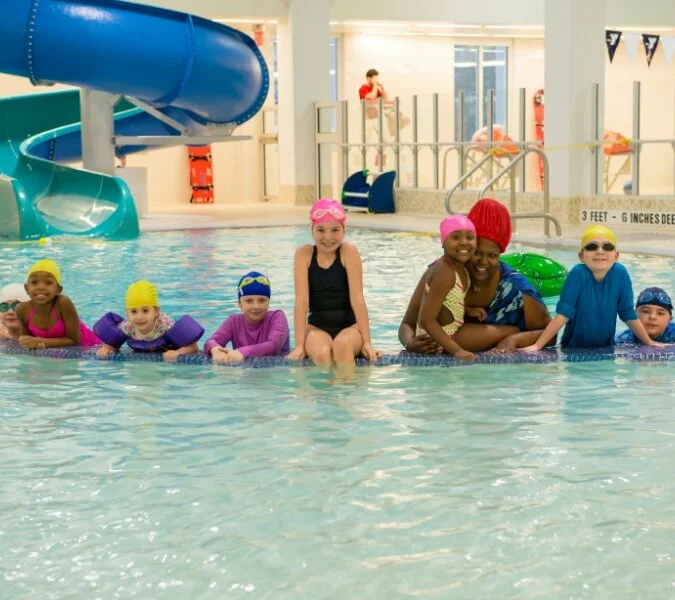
point(479, 69)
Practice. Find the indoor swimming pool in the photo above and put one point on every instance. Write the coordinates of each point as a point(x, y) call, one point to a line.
point(148, 480)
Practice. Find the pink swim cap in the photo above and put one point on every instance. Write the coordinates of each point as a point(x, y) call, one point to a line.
point(455, 223)
point(326, 210)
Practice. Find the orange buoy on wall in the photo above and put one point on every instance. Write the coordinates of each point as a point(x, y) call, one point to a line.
point(201, 175)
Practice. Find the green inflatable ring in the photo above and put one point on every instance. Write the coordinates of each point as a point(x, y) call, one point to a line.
point(545, 274)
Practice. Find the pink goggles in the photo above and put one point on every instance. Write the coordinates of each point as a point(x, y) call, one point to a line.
point(325, 211)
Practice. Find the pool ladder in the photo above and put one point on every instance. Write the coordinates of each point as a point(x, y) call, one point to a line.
point(508, 170)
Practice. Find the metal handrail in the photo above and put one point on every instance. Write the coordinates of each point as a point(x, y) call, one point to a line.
point(457, 148)
point(460, 182)
point(508, 169)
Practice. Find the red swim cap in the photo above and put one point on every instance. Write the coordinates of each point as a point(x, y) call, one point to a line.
point(492, 221)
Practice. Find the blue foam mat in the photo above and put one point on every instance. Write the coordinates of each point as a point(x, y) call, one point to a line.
point(408, 359)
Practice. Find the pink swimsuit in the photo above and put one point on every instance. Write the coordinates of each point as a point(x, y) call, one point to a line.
point(58, 330)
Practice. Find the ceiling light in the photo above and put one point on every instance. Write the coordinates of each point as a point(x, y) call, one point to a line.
point(375, 24)
point(396, 33)
point(530, 36)
point(466, 35)
point(514, 27)
point(445, 26)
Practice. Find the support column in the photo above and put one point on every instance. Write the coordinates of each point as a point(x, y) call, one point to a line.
point(303, 58)
point(574, 61)
point(98, 131)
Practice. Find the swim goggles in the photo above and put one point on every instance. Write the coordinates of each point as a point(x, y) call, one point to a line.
point(7, 306)
point(648, 297)
point(261, 279)
point(320, 213)
point(606, 246)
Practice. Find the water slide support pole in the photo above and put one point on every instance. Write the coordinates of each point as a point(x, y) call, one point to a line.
point(98, 130)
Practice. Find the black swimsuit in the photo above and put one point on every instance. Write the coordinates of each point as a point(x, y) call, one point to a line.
point(329, 306)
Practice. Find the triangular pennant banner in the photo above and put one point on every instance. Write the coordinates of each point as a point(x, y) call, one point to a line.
point(668, 44)
point(651, 43)
point(631, 39)
point(612, 39)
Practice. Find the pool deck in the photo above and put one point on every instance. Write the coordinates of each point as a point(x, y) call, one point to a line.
point(632, 239)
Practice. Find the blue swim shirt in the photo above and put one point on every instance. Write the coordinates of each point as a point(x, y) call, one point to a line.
point(592, 306)
point(628, 337)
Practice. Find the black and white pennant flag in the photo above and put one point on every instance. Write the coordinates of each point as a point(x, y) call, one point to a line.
point(612, 39)
point(651, 43)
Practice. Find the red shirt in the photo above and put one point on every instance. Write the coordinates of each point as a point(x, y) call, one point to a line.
point(367, 89)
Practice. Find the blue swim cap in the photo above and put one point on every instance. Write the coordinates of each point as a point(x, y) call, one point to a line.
point(655, 296)
point(254, 284)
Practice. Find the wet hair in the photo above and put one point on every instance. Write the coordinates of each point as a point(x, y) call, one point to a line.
point(371, 73)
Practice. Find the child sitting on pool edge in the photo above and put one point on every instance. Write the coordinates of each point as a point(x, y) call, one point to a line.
point(594, 292)
point(442, 308)
point(146, 328)
point(256, 330)
point(331, 316)
point(655, 310)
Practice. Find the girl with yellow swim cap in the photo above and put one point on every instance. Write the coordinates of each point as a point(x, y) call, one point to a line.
point(49, 319)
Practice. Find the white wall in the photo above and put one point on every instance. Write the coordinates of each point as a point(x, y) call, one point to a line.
point(404, 73)
point(522, 12)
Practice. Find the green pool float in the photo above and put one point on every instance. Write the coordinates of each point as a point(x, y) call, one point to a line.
point(545, 274)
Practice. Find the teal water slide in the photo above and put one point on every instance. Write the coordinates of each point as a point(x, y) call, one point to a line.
point(193, 79)
point(40, 197)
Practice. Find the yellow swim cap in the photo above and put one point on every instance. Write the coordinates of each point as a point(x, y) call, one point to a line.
point(46, 266)
point(598, 231)
point(141, 293)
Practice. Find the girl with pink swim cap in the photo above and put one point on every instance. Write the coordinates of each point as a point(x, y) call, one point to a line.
point(442, 309)
point(329, 286)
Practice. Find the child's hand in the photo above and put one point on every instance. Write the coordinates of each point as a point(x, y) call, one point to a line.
point(508, 344)
point(424, 344)
point(234, 356)
point(298, 353)
point(219, 355)
point(532, 348)
point(105, 350)
point(465, 355)
point(170, 355)
point(658, 344)
point(370, 353)
point(28, 342)
point(476, 312)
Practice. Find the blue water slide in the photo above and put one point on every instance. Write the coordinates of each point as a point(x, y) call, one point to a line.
point(198, 73)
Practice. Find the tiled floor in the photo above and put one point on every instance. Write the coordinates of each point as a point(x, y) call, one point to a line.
point(642, 240)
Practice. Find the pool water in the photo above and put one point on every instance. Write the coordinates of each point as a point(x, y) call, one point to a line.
point(143, 480)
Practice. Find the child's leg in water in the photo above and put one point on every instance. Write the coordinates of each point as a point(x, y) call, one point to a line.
point(347, 345)
point(318, 346)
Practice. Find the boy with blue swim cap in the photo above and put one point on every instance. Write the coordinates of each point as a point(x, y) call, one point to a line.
point(655, 310)
point(594, 292)
point(256, 330)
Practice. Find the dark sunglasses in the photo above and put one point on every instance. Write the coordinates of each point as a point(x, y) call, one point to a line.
point(7, 306)
point(649, 296)
point(606, 246)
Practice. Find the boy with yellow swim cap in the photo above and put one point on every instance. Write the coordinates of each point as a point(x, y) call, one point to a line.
point(594, 293)
point(146, 328)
